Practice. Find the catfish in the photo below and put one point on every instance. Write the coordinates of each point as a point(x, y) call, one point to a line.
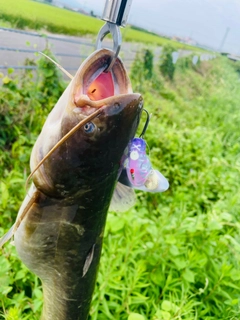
point(59, 229)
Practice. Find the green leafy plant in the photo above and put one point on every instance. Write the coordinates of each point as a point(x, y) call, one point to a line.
point(186, 63)
point(166, 66)
point(143, 74)
point(148, 63)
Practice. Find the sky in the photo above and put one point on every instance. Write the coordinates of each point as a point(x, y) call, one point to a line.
point(206, 21)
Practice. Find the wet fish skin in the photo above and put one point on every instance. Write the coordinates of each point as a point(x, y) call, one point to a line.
point(72, 191)
point(54, 242)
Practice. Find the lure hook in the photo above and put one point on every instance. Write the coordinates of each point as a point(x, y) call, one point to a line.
point(146, 124)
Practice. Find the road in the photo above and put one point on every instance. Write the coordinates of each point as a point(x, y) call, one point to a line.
point(58, 46)
point(68, 54)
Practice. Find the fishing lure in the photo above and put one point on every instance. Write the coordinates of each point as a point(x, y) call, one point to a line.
point(136, 169)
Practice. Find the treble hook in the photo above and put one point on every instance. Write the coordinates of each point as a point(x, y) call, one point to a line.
point(146, 124)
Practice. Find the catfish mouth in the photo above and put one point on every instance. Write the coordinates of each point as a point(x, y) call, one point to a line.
point(94, 87)
point(102, 87)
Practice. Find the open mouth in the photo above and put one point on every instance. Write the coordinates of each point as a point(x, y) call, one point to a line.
point(102, 87)
point(96, 85)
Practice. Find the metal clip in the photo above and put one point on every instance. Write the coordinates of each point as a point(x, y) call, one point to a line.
point(115, 14)
point(117, 11)
point(117, 40)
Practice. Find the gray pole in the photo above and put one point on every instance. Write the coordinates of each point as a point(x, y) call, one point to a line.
point(224, 39)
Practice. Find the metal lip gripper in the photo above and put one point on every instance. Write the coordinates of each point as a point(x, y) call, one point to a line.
point(115, 14)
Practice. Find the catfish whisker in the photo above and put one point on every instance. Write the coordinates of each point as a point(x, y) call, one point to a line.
point(58, 65)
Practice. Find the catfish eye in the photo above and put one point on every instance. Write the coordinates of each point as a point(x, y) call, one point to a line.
point(89, 127)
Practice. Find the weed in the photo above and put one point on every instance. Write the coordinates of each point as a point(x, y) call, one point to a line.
point(167, 66)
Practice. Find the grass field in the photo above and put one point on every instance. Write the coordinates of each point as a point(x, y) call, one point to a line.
point(39, 16)
point(175, 255)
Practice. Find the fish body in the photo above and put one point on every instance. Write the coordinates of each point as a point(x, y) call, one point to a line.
point(59, 229)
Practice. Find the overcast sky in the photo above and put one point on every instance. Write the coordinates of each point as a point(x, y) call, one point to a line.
point(206, 21)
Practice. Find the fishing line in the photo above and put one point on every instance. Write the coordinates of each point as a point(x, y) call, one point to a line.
point(146, 124)
point(145, 128)
point(61, 141)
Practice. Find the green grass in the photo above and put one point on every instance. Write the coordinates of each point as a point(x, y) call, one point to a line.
point(174, 255)
point(38, 16)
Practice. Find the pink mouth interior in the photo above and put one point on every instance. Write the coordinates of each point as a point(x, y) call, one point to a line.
point(102, 87)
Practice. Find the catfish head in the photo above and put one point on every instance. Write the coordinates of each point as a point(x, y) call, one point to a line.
point(91, 156)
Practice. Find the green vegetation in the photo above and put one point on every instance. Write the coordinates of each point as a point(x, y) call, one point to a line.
point(174, 255)
point(167, 67)
point(148, 63)
point(38, 16)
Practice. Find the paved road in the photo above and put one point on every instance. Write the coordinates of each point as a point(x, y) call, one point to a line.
point(58, 46)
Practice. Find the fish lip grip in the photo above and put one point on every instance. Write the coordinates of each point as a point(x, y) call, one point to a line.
point(115, 14)
point(117, 40)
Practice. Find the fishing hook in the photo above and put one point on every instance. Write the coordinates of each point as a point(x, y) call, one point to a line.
point(146, 124)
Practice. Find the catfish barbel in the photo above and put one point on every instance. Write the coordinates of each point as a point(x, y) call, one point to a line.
point(59, 229)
